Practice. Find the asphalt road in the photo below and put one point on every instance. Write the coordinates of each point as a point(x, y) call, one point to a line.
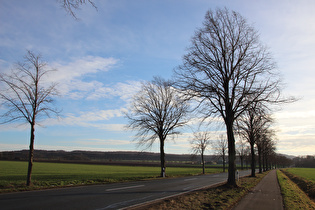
point(109, 196)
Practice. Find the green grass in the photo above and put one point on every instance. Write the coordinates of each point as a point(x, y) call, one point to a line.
point(307, 173)
point(293, 196)
point(47, 175)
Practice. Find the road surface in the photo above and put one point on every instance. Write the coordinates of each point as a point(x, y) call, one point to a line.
point(109, 196)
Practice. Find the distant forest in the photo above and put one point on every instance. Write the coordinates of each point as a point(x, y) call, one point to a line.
point(115, 158)
point(305, 162)
point(140, 158)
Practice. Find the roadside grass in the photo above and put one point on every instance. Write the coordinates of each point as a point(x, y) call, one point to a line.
point(217, 197)
point(50, 175)
point(304, 178)
point(293, 196)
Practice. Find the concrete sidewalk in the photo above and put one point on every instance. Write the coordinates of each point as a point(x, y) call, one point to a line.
point(266, 195)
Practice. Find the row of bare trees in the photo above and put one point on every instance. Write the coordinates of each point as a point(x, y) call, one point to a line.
point(228, 73)
point(256, 139)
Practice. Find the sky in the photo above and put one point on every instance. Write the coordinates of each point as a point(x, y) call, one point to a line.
point(102, 58)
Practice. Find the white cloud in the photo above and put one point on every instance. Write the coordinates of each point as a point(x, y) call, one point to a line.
point(296, 144)
point(70, 77)
point(74, 80)
point(107, 142)
point(96, 119)
point(83, 66)
point(123, 90)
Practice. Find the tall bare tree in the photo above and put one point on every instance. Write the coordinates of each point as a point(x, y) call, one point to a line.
point(157, 112)
point(227, 69)
point(199, 144)
point(220, 147)
point(25, 97)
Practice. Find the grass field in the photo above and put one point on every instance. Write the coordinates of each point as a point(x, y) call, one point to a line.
point(307, 173)
point(46, 175)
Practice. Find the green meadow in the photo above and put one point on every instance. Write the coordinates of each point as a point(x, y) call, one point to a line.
point(307, 173)
point(47, 175)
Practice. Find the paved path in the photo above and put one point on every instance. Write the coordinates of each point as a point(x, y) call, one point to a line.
point(266, 195)
point(109, 196)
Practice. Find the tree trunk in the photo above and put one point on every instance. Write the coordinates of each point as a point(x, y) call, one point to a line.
point(242, 162)
point(231, 151)
point(268, 166)
point(162, 157)
point(259, 160)
point(264, 161)
point(253, 161)
point(203, 163)
point(31, 155)
point(223, 159)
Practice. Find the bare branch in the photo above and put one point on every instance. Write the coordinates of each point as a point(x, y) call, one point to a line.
point(71, 5)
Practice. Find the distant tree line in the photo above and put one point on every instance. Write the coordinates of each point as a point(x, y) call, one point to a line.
point(90, 156)
point(304, 161)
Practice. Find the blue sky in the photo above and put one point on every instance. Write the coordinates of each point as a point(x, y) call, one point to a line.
point(102, 59)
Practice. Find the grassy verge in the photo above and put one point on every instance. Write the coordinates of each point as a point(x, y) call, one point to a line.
point(293, 196)
point(304, 178)
point(220, 197)
point(49, 175)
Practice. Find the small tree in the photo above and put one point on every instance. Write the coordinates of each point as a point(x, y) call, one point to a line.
point(242, 151)
point(220, 147)
point(25, 96)
point(199, 145)
point(157, 112)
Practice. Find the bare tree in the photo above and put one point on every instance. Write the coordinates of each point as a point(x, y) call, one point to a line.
point(199, 145)
point(227, 69)
point(220, 147)
point(25, 97)
point(157, 112)
point(71, 5)
point(252, 125)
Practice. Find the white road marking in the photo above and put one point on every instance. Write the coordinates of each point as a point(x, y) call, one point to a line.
point(116, 205)
point(187, 188)
point(124, 188)
point(189, 179)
